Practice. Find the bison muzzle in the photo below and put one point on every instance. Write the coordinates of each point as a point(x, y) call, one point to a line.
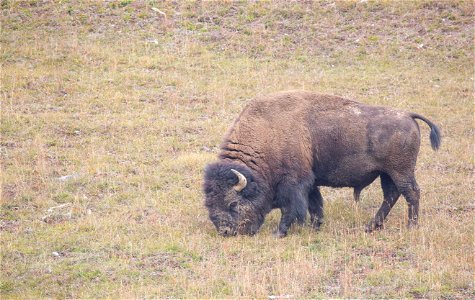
point(284, 146)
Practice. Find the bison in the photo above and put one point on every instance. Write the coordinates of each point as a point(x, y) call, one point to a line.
point(285, 145)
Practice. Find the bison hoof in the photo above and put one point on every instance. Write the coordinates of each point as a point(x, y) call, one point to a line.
point(373, 226)
point(279, 234)
point(412, 224)
point(316, 225)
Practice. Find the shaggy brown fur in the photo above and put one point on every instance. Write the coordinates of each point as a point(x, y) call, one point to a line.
point(289, 143)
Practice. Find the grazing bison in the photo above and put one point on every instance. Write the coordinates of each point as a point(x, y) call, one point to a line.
point(286, 145)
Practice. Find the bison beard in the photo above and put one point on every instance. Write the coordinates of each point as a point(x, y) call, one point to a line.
point(284, 146)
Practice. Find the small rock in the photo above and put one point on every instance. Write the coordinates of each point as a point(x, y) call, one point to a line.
point(58, 213)
point(51, 209)
point(281, 297)
point(159, 11)
point(152, 41)
point(68, 177)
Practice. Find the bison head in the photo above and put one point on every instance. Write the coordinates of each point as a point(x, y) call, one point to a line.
point(233, 198)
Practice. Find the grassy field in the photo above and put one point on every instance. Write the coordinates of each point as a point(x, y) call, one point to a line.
point(110, 111)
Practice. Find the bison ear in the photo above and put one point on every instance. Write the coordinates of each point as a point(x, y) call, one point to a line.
point(250, 191)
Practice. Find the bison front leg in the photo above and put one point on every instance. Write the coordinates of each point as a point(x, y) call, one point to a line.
point(286, 220)
point(315, 208)
point(293, 206)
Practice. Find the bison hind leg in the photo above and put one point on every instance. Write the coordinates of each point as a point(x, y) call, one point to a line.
point(393, 187)
point(391, 195)
point(410, 190)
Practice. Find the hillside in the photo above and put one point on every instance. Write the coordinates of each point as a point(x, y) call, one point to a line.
point(110, 111)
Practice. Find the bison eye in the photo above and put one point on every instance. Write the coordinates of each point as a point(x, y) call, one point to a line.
point(233, 205)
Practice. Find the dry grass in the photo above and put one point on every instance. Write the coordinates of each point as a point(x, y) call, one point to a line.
point(133, 104)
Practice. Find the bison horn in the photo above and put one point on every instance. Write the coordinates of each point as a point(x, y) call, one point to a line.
point(242, 181)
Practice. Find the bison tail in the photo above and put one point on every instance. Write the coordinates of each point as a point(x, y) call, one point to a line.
point(435, 137)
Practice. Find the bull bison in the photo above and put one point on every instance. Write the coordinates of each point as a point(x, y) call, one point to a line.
point(284, 146)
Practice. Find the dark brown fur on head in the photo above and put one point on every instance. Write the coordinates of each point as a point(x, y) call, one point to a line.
point(233, 212)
